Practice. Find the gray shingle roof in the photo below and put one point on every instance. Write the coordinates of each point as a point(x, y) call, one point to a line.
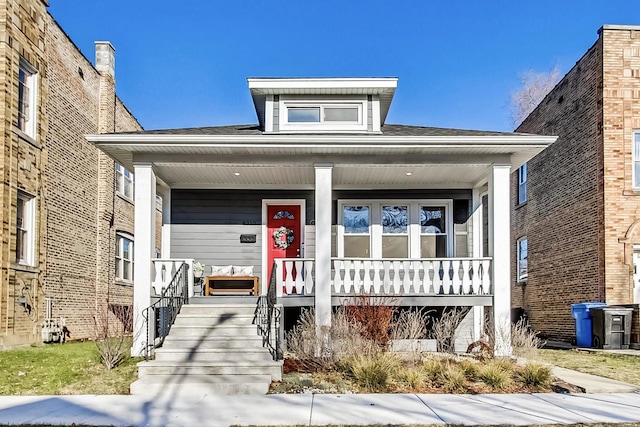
point(388, 130)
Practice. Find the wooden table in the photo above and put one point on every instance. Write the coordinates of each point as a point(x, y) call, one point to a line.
point(219, 284)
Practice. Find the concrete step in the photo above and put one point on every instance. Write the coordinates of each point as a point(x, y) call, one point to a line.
point(213, 331)
point(205, 355)
point(228, 342)
point(219, 309)
point(224, 299)
point(163, 385)
point(214, 319)
point(223, 367)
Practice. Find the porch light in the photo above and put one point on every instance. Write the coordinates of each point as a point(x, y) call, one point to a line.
point(409, 173)
point(236, 173)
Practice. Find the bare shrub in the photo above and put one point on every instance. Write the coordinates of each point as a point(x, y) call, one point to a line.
point(524, 340)
point(411, 325)
point(345, 340)
point(445, 328)
point(374, 314)
point(112, 333)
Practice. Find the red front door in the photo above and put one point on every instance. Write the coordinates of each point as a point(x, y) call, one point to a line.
point(283, 233)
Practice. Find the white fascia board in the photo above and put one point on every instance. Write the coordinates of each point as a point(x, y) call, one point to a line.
point(338, 140)
point(380, 83)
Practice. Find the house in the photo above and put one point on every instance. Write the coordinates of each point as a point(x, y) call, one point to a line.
point(575, 206)
point(67, 210)
point(339, 201)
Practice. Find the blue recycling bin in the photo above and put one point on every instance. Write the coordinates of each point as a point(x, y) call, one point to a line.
point(580, 312)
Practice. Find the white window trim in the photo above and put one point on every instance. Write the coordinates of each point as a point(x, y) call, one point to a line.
point(331, 126)
point(521, 277)
point(522, 183)
point(119, 256)
point(31, 82)
point(29, 218)
point(635, 159)
point(121, 181)
point(414, 230)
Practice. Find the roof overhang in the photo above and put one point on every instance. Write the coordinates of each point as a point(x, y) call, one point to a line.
point(200, 160)
point(383, 87)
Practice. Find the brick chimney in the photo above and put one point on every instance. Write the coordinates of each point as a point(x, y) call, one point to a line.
point(106, 66)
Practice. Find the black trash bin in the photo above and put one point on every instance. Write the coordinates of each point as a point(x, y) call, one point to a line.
point(611, 327)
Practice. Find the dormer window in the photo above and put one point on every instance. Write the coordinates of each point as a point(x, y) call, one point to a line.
point(302, 114)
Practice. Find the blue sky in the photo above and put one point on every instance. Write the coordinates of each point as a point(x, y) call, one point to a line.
point(185, 63)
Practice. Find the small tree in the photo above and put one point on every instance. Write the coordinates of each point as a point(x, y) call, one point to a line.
point(113, 325)
point(534, 86)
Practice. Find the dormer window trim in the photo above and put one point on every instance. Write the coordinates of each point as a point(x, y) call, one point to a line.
point(320, 114)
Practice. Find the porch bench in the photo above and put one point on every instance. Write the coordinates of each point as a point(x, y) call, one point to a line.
point(219, 284)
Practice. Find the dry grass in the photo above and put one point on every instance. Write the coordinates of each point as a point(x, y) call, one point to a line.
point(615, 366)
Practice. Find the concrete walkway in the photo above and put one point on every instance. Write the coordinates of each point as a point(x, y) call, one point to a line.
point(322, 409)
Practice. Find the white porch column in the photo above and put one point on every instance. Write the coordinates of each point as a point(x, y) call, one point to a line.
point(144, 251)
point(477, 252)
point(166, 223)
point(323, 249)
point(499, 247)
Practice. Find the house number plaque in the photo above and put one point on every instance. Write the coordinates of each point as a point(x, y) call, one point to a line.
point(247, 238)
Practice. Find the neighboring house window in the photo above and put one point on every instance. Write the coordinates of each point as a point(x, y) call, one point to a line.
point(522, 184)
point(395, 229)
point(25, 227)
point(27, 98)
point(310, 114)
point(522, 257)
point(124, 256)
point(636, 159)
point(124, 181)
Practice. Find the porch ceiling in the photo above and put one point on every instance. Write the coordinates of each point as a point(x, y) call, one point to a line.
point(303, 176)
point(360, 161)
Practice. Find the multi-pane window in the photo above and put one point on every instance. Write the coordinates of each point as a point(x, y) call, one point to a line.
point(395, 229)
point(522, 184)
point(522, 256)
point(636, 159)
point(26, 98)
point(25, 219)
point(304, 114)
point(124, 181)
point(357, 231)
point(124, 256)
point(433, 232)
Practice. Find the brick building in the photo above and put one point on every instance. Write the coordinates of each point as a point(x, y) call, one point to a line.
point(576, 215)
point(67, 210)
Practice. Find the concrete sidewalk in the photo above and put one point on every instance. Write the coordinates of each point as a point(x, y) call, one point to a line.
point(321, 409)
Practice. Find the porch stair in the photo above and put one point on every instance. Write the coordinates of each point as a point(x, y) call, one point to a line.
point(210, 349)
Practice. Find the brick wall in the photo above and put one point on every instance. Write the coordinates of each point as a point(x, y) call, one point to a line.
point(621, 104)
point(78, 212)
point(582, 204)
point(563, 213)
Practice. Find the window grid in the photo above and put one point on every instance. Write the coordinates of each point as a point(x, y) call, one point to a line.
point(124, 181)
point(522, 184)
point(124, 257)
point(522, 257)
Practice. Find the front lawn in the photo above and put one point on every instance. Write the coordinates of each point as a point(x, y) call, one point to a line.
point(615, 366)
point(72, 368)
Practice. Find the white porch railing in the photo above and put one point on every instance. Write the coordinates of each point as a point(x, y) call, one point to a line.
point(433, 276)
point(165, 269)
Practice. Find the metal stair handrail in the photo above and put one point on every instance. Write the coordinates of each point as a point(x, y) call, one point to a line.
point(267, 318)
point(166, 309)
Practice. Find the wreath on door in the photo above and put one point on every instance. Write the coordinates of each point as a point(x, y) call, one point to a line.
point(283, 237)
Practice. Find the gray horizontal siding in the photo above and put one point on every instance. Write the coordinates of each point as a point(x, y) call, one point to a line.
point(217, 245)
point(228, 207)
